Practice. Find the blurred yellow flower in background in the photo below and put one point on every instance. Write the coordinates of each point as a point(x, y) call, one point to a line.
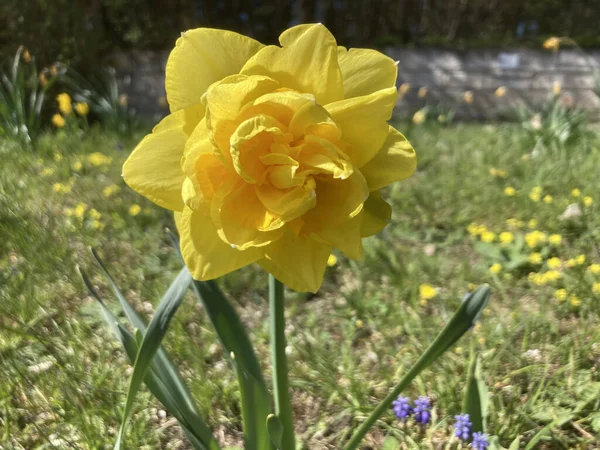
point(442, 118)
point(134, 210)
point(80, 210)
point(548, 199)
point(497, 173)
point(332, 260)
point(488, 236)
point(123, 100)
point(596, 288)
point(594, 269)
point(561, 294)
point(58, 121)
point(535, 258)
point(419, 117)
point(26, 56)
point(535, 194)
point(510, 191)
point(554, 262)
point(535, 238)
point(552, 275)
point(574, 301)
point(496, 268)
point(556, 88)
point(427, 292)
point(95, 214)
point(64, 103)
point(47, 171)
point(506, 237)
point(468, 97)
point(77, 166)
point(99, 159)
point(273, 154)
point(552, 43)
point(403, 89)
point(588, 201)
point(422, 93)
point(575, 192)
point(555, 239)
point(108, 191)
point(61, 188)
point(580, 259)
point(533, 223)
point(82, 109)
point(500, 92)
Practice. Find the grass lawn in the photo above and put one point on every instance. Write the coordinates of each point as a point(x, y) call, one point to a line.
point(63, 378)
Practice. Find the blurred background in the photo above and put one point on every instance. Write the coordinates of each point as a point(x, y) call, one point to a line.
point(500, 99)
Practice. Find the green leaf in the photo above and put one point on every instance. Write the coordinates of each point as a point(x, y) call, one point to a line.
point(162, 388)
point(390, 443)
point(476, 397)
point(152, 338)
point(462, 320)
point(275, 429)
point(515, 444)
point(256, 402)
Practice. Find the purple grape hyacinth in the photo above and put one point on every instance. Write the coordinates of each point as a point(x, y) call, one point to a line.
point(462, 427)
point(480, 441)
point(422, 410)
point(402, 408)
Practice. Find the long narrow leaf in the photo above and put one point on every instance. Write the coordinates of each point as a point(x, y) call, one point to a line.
point(256, 402)
point(152, 339)
point(476, 397)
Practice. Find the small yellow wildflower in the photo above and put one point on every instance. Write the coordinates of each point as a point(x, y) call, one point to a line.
point(596, 288)
point(468, 97)
point(556, 88)
point(588, 201)
point(536, 278)
point(535, 258)
point(96, 225)
point(533, 223)
point(580, 260)
point(488, 236)
point(555, 239)
point(47, 171)
point(496, 268)
point(506, 237)
point(331, 261)
point(575, 192)
point(58, 121)
point(548, 199)
point(134, 210)
point(359, 323)
point(60, 188)
point(554, 262)
point(574, 301)
point(108, 191)
point(64, 103)
point(514, 223)
point(68, 212)
point(498, 173)
point(561, 295)
point(80, 210)
point(403, 89)
point(552, 43)
point(57, 156)
point(427, 292)
point(76, 166)
point(571, 262)
point(419, 117)
point(99, 159)
point(535, 238)
point(535, 195)
point(500, 92)
point(552, 275)
point(442, 118)
point(82, 109)
point(510, 191)
point(422, 92)
point(95, 214)
point(458, 350)
point(594, 269)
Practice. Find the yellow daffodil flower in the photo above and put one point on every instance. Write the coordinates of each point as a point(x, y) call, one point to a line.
point(273, 154)
point(82, 109)
point(58, 121)
point(64, 103)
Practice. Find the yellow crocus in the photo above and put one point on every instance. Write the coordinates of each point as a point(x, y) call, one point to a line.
point(82, 109)
point(58, 121)
point(64, 103)
point(273, 154)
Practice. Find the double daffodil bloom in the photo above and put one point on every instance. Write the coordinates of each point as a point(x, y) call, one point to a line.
point(273, 154)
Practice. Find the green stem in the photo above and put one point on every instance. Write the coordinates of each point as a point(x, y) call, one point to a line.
point(283, 404)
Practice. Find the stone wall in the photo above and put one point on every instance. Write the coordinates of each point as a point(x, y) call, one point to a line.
point(528, 76)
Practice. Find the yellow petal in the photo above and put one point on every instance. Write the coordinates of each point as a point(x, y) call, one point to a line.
point(377, 214)
point(202, 57)
point(205, 254)
point(242, 220)
point(153, 169)
point(287, 204)
point(395, 161)
point(337, 201)
point(346, 236)
point(365, 71)
point(297, 262)
point(306, 62)
point(363, 121)
point(314, 119)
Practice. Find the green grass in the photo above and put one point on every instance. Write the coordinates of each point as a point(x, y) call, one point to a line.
point(63, 379)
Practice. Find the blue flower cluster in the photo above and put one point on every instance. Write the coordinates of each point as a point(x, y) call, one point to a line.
point(421, 411)
point(462, 430)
